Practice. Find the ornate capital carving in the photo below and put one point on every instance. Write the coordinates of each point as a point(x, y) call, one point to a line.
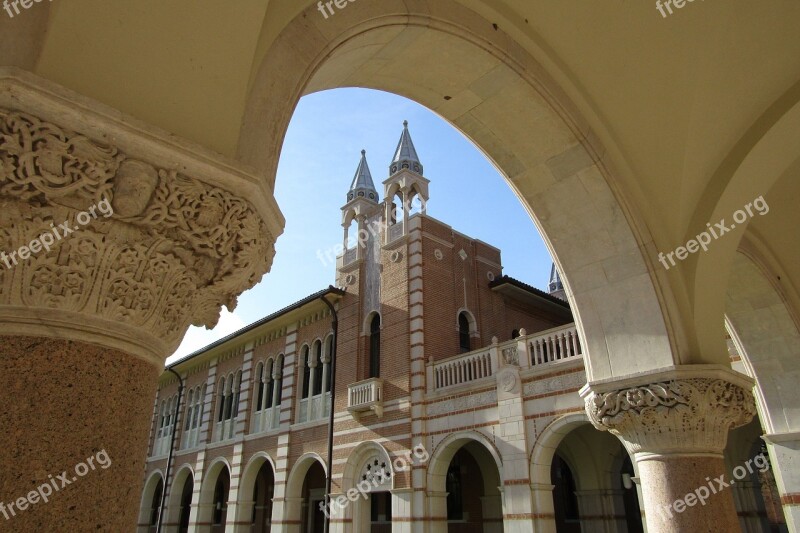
point(175, 249)
point(680, 415)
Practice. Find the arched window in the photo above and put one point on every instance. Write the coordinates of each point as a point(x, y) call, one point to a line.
point(259, 386)
point(189, 406)
point(237, 390)
point(463, 332)
point(317, 368)
point(156, 503)
point(375, 347)
point(270, 383)
point(221, 399)
point(306, 371)
point(228, 399)
point(329, 353)
point(279, 382)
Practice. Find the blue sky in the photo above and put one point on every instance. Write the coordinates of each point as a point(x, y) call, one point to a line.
point(319, 158)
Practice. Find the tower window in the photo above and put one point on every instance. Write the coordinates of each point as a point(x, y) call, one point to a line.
point(463, 332)
point(375, 347)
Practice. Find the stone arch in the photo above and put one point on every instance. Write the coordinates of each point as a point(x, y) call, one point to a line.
point(768, 336)
point(473, 324)
point(354, 469)
point(547, 442)
point(205, 501)
point(294, 483)
point(250, 471)
point(356, 460)
point(447, 448)
point(763, 160)
point(596, 475)
point(182, 473)
point(247, 483)
point(568, 177)
point(150, 486)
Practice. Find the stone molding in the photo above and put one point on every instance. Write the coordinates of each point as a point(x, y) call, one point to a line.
point(678, 411)
point(187, 235)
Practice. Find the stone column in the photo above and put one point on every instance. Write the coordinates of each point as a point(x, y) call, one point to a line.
point(675, 423)
point(114, 239)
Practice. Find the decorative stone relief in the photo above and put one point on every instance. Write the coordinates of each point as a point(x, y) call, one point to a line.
point(555, 384)
point(507, 379)
point(174, 250)
point(377, 472)
point(463, 402)
point(510, 356)
point(683, 415)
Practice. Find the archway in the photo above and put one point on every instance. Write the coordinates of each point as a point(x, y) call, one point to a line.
point(755, 491)
point(765, 330)
point(370, 471)
point(542, 148)
point(151, 502)
point(257, 489)
point(579, 491)
point(464, 481)
point(593, 489)
point(179, 507)
point(305, 492)
point(212, 512)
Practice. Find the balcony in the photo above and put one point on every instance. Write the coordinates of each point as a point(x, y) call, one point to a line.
point(366, 396)
point(525, 352)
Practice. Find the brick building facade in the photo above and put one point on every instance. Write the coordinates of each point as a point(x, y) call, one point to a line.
point(454, 385)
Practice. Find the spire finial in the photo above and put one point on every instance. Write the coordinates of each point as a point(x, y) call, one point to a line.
point(362, 185)
point(405, 156)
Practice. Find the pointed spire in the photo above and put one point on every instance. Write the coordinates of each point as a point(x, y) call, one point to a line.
point(406, 155)
point(555, 286)
point(362, 185)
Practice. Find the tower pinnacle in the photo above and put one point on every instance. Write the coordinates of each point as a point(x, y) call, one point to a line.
point(362, 185)
point(405, 157)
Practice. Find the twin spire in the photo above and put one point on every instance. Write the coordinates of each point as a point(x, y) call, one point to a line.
point(405, 157)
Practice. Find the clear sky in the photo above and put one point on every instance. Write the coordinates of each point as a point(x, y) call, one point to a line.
point(320, 155)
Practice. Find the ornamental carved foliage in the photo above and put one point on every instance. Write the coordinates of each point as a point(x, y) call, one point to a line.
point(692, 413)
point(174, 250)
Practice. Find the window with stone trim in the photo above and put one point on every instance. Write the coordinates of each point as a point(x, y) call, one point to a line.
point(375, 346)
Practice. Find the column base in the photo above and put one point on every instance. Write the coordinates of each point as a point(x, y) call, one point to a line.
point(78, 409)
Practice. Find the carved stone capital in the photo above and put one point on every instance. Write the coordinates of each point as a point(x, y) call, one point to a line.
point(683, 411)
point(174, 233)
